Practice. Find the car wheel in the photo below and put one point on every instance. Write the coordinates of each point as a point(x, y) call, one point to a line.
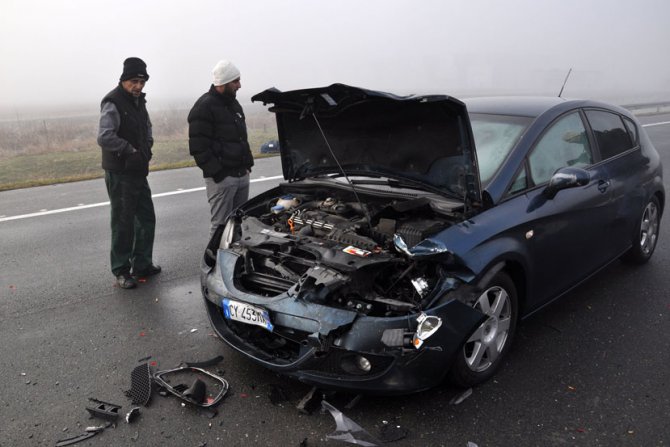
point(646, 234)
point(484, 350)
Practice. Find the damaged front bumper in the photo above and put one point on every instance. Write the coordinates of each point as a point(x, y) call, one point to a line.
point(336, 348)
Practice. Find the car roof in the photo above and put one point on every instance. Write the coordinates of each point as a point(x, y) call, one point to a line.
point(531, 106)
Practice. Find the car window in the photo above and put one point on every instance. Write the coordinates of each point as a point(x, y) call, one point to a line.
point(564, 144)
point(520, 182)
point(495, 136)
point(632, 130)
point(611, 135)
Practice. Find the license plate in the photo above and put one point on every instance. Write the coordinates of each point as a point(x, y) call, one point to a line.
point(246, 313)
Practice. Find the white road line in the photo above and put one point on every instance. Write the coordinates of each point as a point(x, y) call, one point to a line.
point(94, 205)
point(656, 124)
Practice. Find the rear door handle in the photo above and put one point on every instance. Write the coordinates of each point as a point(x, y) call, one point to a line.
point(603, 185)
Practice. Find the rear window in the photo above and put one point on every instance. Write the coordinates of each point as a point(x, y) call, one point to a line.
point(611, 135)
point(495, 136)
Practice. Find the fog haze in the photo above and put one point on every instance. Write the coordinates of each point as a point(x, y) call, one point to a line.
point(67, 54)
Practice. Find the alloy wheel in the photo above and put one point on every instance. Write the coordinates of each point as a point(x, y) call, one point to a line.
point(487, 342)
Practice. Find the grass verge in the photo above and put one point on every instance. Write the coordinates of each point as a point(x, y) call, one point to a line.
point(25, 171)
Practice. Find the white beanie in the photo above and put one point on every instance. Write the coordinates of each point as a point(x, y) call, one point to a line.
point(224, 72)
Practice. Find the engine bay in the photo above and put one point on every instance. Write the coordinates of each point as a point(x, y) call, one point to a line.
point(329, 247)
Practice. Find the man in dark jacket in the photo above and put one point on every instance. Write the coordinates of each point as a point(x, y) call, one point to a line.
point(218, 142)
point(126, 139)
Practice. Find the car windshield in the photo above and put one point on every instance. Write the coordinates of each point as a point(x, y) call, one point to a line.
point(495, 136)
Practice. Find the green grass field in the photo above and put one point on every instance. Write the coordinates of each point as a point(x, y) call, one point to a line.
point(26, 170)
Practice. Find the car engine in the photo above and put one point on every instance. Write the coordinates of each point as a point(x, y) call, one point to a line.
point(336, 250)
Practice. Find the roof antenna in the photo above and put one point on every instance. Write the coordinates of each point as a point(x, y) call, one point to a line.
point(565, 82)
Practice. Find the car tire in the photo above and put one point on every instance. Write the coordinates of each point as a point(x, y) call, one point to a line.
point(646, 234)
point(488, 344)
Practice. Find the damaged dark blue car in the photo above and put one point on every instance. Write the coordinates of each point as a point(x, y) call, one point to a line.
point(413, 232)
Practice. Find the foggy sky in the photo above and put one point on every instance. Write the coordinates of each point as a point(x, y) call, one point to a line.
point(70, 53)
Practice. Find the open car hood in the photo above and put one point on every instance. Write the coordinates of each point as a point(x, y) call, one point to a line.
point(423, 139)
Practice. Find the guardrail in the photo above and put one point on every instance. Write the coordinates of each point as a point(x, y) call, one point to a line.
point(649, 108)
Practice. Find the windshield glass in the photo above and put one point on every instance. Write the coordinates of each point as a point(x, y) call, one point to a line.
point(495, 136)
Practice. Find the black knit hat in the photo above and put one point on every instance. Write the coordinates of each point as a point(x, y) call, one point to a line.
point(134, 67)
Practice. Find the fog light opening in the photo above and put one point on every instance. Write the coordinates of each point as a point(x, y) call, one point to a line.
point(363, 364)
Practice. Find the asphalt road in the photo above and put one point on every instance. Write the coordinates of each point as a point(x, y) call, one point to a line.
point(591, 370)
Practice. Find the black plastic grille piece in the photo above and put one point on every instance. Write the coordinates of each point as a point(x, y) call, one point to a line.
point(140, 384)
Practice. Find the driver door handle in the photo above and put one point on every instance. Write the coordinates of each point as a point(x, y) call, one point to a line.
point(603, 185)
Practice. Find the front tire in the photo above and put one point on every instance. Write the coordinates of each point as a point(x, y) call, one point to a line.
point(486, 347)
point(646, 234)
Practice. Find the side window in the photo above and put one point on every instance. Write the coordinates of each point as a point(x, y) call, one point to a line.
point(563, 144)
point(611, 135)
point(520, 182)
point(632, 130)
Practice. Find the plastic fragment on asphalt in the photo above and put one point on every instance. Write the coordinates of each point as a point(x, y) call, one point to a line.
point(347, 430)
point(353, 402)
point(460, 398)
point(103, 410)
point(472, 444)
point(310, 402)
point(76, 439)
point(572, 388)
point(140, 384)
point(132, 415)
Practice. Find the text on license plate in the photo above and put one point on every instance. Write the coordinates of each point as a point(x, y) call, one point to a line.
point(246, 313)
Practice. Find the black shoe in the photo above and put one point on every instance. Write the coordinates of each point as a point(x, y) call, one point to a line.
point(149, 271)
point(125, 281)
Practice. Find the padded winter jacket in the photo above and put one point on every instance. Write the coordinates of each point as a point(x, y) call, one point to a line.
point(217, 136)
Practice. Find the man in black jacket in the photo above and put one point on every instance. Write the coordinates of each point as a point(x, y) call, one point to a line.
point(218, 142)
point(126, 139)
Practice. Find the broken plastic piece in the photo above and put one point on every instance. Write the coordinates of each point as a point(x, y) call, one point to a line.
point(310, 402)
point(104, 410)
point(76, 439)
point(347, 430)
point(132, 415)
point(140, 384)
point(461, 397)
point(196, 393)
point(211, 362)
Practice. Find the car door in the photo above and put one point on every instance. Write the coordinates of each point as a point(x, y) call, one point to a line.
point(566, 235)
point(617, 144)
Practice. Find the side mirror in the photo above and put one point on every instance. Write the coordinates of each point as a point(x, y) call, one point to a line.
point(566, 178)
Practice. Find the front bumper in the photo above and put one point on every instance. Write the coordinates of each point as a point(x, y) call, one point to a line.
point(324, 342)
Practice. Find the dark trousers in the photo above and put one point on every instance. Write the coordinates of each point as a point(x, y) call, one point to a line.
point(133, 222)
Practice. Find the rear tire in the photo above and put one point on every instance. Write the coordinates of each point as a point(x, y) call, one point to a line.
point(646, 234)
point(484, 350)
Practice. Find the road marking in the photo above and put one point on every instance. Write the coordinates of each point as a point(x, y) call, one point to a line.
point(656, 124)
point(95, 205)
